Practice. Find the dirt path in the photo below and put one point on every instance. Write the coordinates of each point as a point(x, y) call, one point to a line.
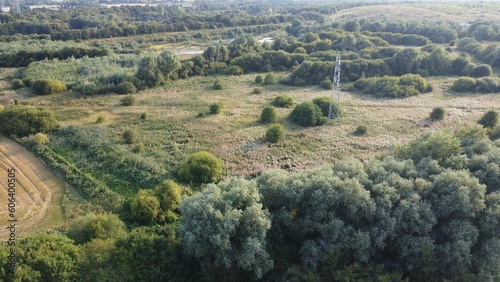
point(38, 192)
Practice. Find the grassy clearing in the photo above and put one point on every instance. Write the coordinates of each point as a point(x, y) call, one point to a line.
point(172, 130)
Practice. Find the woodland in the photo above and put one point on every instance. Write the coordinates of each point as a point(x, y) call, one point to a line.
point(210, 142)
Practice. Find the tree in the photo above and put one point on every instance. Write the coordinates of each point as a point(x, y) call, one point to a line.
point(169, 194)
point(324, 104)
point(148, 72)
point(96, 226)
point(275, 133)
point(225, 226)
point(145, 206)
point(268, 115)
point(283, 101)
point(23, 121)
point(404, 61)
point(307, 114)
point(201, 167)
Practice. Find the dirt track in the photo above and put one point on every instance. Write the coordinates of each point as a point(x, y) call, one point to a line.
point(38, 192)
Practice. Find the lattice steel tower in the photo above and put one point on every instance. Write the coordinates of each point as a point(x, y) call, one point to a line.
point(335, 89)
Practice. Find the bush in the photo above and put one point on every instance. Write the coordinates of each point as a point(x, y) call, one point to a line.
point(129, 136)
point(201, 167)
point(481, 70)
point(23, 121)
point(464, 84)
point(47, 86)
point(489, 119)
point(275, 133)
point(125, 87)
point(307, 114)
point(494, 133)
point(392, 86)
point(138, 148)
point(40, 139)
point(217, 85)
point(215, 108)
point(17, 83)
point(283, 101)
point(326, 84)
point(268, 115)
point(128, 100)
point(1, 107)
point(100, 119)
point(270, 79)
point(259, 79)
point(361, 130)
point(96, 226)
point(144, 116)
point(257, 90)
point(234, 70)
point(437, 114)
point(324, 104)
point(145, 206)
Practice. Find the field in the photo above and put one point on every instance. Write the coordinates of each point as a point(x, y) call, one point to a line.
point(460, 12)
point(173, 130)
point(38, 192)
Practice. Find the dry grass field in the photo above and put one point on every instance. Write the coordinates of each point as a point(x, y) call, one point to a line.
point(38, 192)
point(173, 130)
point(458, 12)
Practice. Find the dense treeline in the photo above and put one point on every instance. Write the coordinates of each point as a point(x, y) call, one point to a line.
point(428, 211)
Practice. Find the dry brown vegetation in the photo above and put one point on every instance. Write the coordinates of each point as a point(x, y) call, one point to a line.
point(38, 192)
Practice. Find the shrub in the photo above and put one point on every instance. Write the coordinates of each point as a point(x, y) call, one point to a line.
point(481, 70)
point(489, 119)
point(437, 114)
point(300, 50)
point(361, 130)
point(145, 206)
point(128, 100)
point(125, 87)
point(23, 121)
point(217, 85)
point(324, 104)
point(494, 133)
point(307, 114)
point(1, 107)
point(40, 139)
point(283, 101)
point(138, 148)
point(129, 136)
point(259, 79)
point(464, 84)
point(144, 115)
point(215, 108)
point(268, 115)
point(275, 133)
point(257, 90)
point(47, 86)
point(234, 70)
point(392, 86)
point(326, 84)
point(270, 79)
point(96, 226)
point(201, 167)
point(100, 119)
point(17, 83)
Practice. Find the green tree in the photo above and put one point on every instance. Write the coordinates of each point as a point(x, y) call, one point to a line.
point(47, 87)
point(23, 121)
point(268, 115)
point(275, 133)
point(283, 101)
point(307, 114)
point(225, 226)
point(201, 167)
point(324, 104)
point(149, 73)
point(169, 194)
point(145, 206)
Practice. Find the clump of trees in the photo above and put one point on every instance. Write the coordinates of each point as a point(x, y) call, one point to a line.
point(393, 87)
point(47, 87)
point(23, 121)
point(476, 85)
